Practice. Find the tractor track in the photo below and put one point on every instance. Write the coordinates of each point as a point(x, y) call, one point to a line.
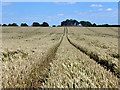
point(103, 63)
point(37, 82)
point(67, 54)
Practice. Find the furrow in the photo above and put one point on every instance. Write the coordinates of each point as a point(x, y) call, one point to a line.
point(73, 69)
point(41, 74)
point(103, 62)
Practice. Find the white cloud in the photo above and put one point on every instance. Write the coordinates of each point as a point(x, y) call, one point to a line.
point(71, 3)
point(65, 3)
point(109, 9)
point(60, 14)
point(96, 5)
point(6, 3)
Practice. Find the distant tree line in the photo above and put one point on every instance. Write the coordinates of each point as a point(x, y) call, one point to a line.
point(14, 24)
point(67, 22)
point(44, 24)
point(71, 22)
point(35, 24)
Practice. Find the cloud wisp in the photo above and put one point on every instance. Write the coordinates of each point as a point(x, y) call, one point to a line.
point(64, 3)
point(60, 14)
point(109, 9)
point(96, 5)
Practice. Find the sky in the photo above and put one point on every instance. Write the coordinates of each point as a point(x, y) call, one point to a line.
point(55, 12)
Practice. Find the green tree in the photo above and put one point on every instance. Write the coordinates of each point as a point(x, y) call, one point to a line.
point(35, 24)
point(14, 24)
point(45, 24)
point(70, 22)
point(85, 23)
point(94, 25)
point(4, 25)
point(53, 25)
point(23, 24)
point(9, 24)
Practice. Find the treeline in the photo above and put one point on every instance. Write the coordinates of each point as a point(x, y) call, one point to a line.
point(35, 24)
point(71, 22)
point(68, 22)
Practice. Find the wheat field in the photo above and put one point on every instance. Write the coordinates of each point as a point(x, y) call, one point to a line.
point(60, 57)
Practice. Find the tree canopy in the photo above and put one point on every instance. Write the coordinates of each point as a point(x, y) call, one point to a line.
point(67, 22)
point(85, 23)
point(14, 24)
point(9, 24)
point(35, 24)
point(23, 24)
point(53, 25)
point(45, 24)
point(70, 22)
point(4, 25)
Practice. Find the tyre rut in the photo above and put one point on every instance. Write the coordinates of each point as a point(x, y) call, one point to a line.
point(103, 63)
point(38, 80)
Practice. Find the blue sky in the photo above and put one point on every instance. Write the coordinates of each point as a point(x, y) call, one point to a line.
point(55, 12)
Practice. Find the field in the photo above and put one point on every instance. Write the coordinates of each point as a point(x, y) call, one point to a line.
point(62, 57)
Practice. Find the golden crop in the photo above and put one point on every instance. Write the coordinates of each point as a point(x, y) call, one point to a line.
point(58, 57)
